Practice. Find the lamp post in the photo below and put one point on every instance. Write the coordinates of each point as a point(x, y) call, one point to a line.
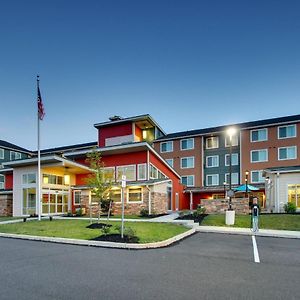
point(224, 185)
point(246, 181)
point(230, 214)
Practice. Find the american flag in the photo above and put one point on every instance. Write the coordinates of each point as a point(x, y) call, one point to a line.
point(41, 111)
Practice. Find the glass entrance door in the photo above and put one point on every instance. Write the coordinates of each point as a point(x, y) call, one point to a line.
point(54, 202)
point(294, 194)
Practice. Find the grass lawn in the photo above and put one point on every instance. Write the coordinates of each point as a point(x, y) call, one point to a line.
point(8, 218)
point(280, 222)
point(76, 229)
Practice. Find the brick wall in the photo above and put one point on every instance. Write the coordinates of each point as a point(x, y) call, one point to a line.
point(6, 205)
point(219, 206)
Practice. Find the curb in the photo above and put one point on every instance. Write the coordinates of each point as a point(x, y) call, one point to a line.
point(243, 231)
point(154, 245)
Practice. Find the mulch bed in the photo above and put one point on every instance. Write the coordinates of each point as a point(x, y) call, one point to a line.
point(191, 217)
point(115, 237)
point(98, 225)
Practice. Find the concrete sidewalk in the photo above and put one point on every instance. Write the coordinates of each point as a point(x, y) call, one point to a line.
point(247, 231)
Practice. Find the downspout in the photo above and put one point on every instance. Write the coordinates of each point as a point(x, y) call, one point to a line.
point(149, 199)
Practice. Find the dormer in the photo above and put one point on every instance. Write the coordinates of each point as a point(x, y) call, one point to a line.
point(120, 130)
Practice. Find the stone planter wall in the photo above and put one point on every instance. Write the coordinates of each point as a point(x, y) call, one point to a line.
point(6, 205)
point(219, 206)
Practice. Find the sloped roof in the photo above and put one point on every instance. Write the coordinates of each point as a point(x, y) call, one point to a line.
point(10, 146)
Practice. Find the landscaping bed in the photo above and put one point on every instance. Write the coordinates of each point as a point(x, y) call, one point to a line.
point(196, 218)
point(77, 229)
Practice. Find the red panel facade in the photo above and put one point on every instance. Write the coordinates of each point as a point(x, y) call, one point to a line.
point(125, 159)
point(8, 181)
point(113, 131)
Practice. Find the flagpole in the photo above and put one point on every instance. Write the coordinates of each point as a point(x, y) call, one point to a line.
point(39, 156)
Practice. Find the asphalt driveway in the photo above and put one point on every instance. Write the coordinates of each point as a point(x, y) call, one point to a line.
point(203, 266)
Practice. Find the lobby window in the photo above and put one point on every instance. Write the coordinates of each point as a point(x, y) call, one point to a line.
point(170, 162)
point(234, 178)
point(212, 179)
point(129, 171)
point(212, 142)
point(286, 153)
point(235, 140)
point(234, 159)
point(188, 180)
point(15, 155)
point(2, 180)
point(256, 176)
point(109, 173)
point(285, 132)
point(29, 178)
point(142, 171)
point(187, 144)
point(77, 197)
point(135, 194)
point(166, 147)
point(1, 153)
point(259, 135)
point(259, 155)
point(212, 161)
point(115, 194)
point(187, 162)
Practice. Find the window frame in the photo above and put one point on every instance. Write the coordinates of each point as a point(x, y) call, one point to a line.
point(74, 197)
point(227, 155)
point(238, 177)
point(267, 135)
point(233, 145)
point(287, 137)
point(193, 143)
point(123, 166)
point(187, 157)
point(295, 147)
point(206, 177)
point(212, 137)
point(138, 171)
point(2, 154)
point(211, 156)
point(188, 176)
point(171, 143)
point(128, 193)
point(259, 172)
point(2, 183)
point(267, 156)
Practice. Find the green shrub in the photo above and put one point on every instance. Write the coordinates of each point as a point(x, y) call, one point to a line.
point(290, 208)
point(128, 231)
point(199, 211)
point(78, 212)
point(105, 229)
point(144, 212)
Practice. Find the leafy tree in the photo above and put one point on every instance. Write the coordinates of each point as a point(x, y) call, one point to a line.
point(100, 181)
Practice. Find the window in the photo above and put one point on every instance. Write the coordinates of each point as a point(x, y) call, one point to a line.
point(15, 155)
point(285, 132)
point(212, 142)
point(259, 155)
point(77, 197)
point(170, 162)
point(153, 172)
point(259, 135)
point(2, 181)
point(135, 194)
point(187, 144)
point(187, 162)
point(1, 153)
point(212, 161)
point(129, 171)
point(256, 176)
point(109, 173)
point(166, 146)
point(29, 178)
point(234, 159)
point(187, 180)
point(285, 153)
point(142, 171)
point(212, 179)
point(234, 178)
point(115, 195)
point(29, 201)
point(234, 140)
point(53, 179)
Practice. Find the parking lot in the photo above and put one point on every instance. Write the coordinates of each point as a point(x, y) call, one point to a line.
point(203, 266)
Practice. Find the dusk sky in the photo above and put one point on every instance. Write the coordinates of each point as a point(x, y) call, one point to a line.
point(189, 64)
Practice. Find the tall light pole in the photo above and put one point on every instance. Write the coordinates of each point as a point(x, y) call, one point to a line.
point(246, 181)
point(230, 132)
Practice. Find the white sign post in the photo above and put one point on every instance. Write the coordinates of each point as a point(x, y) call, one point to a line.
point(123, 186)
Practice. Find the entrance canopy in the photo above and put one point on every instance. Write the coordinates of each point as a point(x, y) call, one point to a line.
point(246, 188)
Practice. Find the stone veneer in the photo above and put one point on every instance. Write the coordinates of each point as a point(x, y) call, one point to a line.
point(158, 204)
point(6, 205)
point(219, 206)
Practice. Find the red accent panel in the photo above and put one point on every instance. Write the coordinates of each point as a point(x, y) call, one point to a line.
point(138, 133)
point(113, 131)
point(81, 179)
point(125, 159)
point(177, 186)
point(9, 181)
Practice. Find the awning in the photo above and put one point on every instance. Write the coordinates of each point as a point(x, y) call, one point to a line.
point(246, 188)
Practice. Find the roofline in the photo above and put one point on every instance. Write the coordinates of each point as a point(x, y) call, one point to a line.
point(282, 171)
point(68, 148)
point(17, 149)
point(131, 145)
point(222, 128)
point(124, 120)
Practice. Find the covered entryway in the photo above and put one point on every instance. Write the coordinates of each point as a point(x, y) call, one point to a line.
point(55, 202)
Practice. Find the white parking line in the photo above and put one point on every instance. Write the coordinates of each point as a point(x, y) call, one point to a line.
point(255, 250)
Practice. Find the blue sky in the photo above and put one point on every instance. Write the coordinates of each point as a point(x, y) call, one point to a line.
point(190, 64)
